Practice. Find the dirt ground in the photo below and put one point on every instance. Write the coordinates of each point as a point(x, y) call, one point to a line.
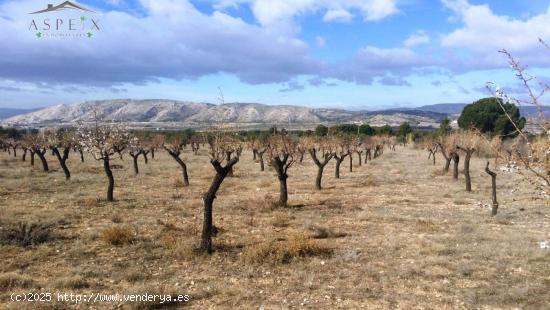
point(396, 233)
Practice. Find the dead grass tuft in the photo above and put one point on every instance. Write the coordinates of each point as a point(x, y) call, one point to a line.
point(117, 235)
point(90, 202)
point(189, 230)
point(426, 226)
point(280, 220)
point(13, 280)
point(116, 219)
point(25, 234)
point(178, 248)
point(73, 282)
point(283, 252)
point(320, 232)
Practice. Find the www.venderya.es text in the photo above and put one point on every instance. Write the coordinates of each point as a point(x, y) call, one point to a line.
point(94, 297)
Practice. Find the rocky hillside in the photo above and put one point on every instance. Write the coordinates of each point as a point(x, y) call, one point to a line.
point(179, 113)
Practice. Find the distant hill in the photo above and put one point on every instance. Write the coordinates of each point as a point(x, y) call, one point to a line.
point(171, 113)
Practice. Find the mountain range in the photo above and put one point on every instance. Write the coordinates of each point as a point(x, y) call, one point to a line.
point(177, 114)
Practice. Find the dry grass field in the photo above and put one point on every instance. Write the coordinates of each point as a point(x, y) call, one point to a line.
point(396, 233)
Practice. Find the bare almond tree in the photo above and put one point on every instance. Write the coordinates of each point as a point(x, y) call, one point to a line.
point(378, 145)
point(61, 142)
point(359, 150)
point(493, 175)
point(446, 151)
point(102, 141)
point(154, 143)
point(136, 148)
point(174, 147)
point(368, 144)
point(259, 146)
point(38, 145)
point(223, 149)
point(282, 154)
point(321, 153)
point(432, 148)
point(467, 143)
point(301, 149)
point(340, 151)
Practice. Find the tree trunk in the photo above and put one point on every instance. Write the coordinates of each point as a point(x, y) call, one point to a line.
point(448, 158)
point(81, 155)
point(283, 195)
point(319, 177)
point(227, 158)
point(433, 157)
point(467, 170)
point(14, 151)
point(261, 155)
point(153, 153)
point(24, 157)
point(279, 165)
point(456, 160)
point(109, 173)
point(337, 167)
point(301, 156)
point(145, 158)
point(493, 175)
point(447, 163)
point(339, 160)
point(135, 160)
point(42, 156)
point(32, 158)
point(208, 199)
point(184, 173)
point(183, 167)
point(320, 166)
point(350, 162)
point(254, 154)
point(360, 158)
point(63, 161)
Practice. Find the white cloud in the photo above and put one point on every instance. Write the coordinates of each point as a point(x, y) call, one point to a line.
point(337, 15)
point(173, 40)
point(373, 62)
point(378, 9)
point(420, 37)
point(270, 12)
point(484, 33)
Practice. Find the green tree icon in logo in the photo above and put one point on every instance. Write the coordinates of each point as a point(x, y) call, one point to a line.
point(39, 34)
point(82, 18)
point(89, 34)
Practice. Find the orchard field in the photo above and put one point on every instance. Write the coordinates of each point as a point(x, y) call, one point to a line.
point(396, 233)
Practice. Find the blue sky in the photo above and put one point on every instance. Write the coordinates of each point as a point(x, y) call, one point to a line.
point(354, 54)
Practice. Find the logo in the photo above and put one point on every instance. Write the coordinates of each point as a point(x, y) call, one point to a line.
point(66, 20)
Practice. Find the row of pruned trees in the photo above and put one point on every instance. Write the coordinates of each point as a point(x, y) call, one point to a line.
point(108, 141)
point(463, 145)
